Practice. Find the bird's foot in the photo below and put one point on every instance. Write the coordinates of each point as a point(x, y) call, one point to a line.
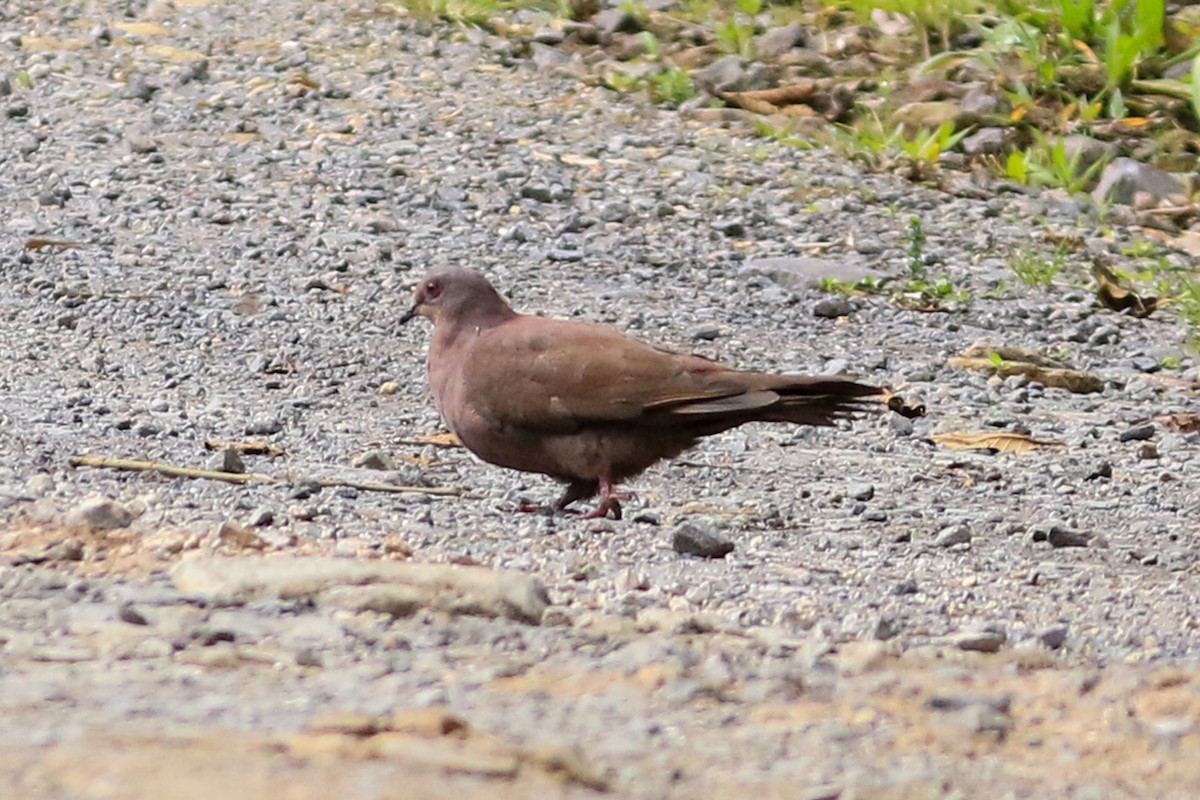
point(610, 505)
point(610, 501)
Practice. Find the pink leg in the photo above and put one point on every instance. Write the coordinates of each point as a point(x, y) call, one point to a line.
point(610, 500)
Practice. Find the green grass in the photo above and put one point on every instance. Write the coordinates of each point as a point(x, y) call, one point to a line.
point(1034, 270)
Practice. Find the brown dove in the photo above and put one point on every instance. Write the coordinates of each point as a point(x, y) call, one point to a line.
point(583, 403)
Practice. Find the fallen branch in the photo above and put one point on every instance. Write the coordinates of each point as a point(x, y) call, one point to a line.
point(170, 470)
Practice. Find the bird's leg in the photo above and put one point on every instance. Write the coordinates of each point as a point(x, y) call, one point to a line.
point(576, 490)
point(610, 500)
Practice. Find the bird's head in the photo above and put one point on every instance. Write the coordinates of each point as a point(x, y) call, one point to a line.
point(457, 295)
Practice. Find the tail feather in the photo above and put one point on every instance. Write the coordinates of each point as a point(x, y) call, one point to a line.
point(800, 400)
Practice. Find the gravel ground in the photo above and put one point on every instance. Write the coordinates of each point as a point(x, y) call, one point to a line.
point(246, 196)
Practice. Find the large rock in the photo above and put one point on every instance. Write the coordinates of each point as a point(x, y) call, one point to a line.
point(796, 272)
point(387, 586)
point(1133, 183)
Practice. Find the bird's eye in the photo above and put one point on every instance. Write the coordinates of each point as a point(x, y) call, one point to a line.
point(432, 290)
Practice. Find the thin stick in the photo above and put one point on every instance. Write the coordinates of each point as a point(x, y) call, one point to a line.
point(371, 486)
point(172, 471)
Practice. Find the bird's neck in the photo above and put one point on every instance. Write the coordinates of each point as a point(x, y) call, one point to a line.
point(466, 323)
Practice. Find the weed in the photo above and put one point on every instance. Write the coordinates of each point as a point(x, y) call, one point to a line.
point(1139, 249)
point(1046, 164)
point(1186, 300)
point(673, 86)
point(464, 12)
point(784, 135)
point(1035, 271)
point(868, 285)
point(1170, 362)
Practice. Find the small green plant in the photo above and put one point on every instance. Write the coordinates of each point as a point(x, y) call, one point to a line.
point(868, 285)
point(673, 86)
point(463, 12)
point(1134, 29)
point(923, 291)
point(783, 134)
point(1170, 362)
point(1046, 164)
point(1035, 271)
point(1195, 89)
point(735, 37)
point(1186, 300)
point(1142, 248)
point(925, 146)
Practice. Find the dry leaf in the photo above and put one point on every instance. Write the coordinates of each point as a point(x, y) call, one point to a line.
point(1070, 379)
point(905, 409)
point(1112, 295)
point(1182, 422)
point(1007, 352)
point(998, 442)
point(435, 439)
point(768, 101)
point(38, 244)
point(246, 448)
point(1187, 242)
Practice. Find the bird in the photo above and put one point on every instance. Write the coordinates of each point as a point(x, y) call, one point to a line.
point(585, 404)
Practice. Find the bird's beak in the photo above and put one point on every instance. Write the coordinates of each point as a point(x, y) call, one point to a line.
point(412, 312)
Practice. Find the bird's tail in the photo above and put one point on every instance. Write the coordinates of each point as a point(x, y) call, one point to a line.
point(820, 400)
point(763, 397)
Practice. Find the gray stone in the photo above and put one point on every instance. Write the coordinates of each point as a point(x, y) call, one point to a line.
point(955, 534)
point(1133, 183)
point(796, 272)
point(732, 228)
point(861, 491)
point(728, 74)
point(1138, 433)
point(989, 142)
point(696, 539)
point(99, 514)
point(987, 640)
point(832, 308)
point(227, 460)
point(1061, 536)
point(777, 41)
point(1089, 151)
point(374, 459)
point(616, 20)
point(929, 114)
point(980, 102)
point(1054, 637)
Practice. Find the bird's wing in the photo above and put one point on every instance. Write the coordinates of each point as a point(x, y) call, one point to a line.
point(555, 375)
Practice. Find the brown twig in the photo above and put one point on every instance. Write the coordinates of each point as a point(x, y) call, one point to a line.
point(246, 448)
point(103, 462)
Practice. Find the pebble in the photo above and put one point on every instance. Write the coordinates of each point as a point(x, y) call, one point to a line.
point(982, 641)
point(1138, 433)
point(832, 308)
point(98, 513)
point(227, 460)
point(1060, 536)
point(955, 534)
point(697, 539)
